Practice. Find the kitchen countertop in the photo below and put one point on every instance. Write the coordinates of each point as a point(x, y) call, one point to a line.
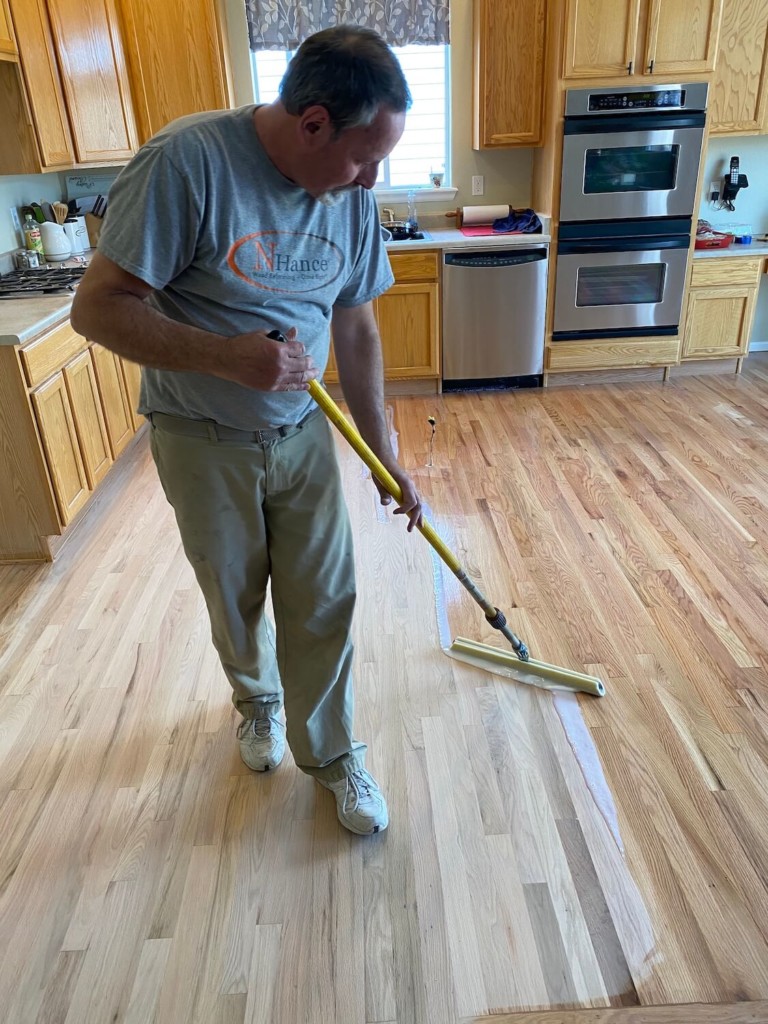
point(21, 320)
point(755, 249)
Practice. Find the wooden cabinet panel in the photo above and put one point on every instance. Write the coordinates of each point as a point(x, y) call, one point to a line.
point(48, 354)
point(57, 430)
point(8, 49)
point(626, 353)
point(414, 266)
point(508, 72)
point(132, 378)
point(80, 380)
point(95, 79)
point(408, 324)
point(601, 38)
point(682, 36)
point(164, 86)
point(719, 321)
point(738, 97)
point(43, 84)
point(114, 399)
point(719, 270)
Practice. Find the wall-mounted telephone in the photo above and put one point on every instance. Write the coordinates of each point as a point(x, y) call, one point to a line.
point(732, 182)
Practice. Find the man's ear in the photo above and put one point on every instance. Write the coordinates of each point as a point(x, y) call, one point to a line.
point(315, 126)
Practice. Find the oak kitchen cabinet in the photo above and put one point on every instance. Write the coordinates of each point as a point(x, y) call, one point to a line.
point(508, 88)
point(65, 416)
point(738, 96)
point(96, 79)
point(721, 307)
point(408, 317)
point(8, 48)
point(176, 58)
point(644, 38)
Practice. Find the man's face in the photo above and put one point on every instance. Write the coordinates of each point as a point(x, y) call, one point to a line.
point(352, 158)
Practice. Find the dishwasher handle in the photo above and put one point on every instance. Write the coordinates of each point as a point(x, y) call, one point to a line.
point(495, 259)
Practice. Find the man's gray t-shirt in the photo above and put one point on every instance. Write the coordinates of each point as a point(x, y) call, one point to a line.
point(232, 246)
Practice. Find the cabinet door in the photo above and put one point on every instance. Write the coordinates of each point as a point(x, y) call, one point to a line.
point(165, 87)
point(132, 379)
point(682, 36)
point(7, 40)
point(719, 321)
point(43, 85)
point(114, 399)
point(80, 379)
point(509, 72)
point(738, 96)
point(601, 38)
point(57, 430)
point(408, 324)
point(90, 52)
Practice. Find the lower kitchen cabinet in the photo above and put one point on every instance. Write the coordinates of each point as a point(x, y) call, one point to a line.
point(65, 414)
point(132, 378)
point(62, 448)
point(721, 307)
point(408, 318)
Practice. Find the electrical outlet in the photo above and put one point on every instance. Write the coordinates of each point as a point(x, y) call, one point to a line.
point(16, 224)
point(478, 184)
point(714, 191)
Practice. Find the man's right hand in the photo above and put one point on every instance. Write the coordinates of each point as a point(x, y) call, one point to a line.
point(264, 364)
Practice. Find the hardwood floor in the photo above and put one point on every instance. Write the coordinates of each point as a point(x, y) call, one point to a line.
point(534, 862)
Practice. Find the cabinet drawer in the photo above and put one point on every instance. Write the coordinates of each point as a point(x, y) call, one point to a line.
point(48, 354)
point(723, 271)
point(413, 266)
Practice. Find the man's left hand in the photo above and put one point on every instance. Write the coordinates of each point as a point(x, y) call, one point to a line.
point(410, 505)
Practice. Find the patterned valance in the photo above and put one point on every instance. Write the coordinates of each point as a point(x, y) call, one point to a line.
point(285, 24)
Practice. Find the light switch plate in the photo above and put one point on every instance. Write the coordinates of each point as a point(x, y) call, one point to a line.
point(478, 184)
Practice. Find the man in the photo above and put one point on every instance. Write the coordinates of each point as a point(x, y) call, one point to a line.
point(224, 227)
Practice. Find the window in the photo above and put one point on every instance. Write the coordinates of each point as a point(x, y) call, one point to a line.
point(424, 146)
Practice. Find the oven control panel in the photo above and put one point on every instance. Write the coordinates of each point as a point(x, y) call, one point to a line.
point(651, 100)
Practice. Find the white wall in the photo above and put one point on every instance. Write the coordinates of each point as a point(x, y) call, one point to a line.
point(20, 191)
point(751, 203)
point(507, 174)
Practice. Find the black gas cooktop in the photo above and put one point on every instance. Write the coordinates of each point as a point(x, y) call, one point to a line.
point(30, 284)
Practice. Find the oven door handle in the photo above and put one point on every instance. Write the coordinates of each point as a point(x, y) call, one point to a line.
point(614, 124)
point(583, 248)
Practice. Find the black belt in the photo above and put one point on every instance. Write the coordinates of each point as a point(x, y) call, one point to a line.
point(217, 432)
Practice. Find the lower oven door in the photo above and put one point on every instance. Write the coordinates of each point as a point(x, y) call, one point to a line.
point(619, 289)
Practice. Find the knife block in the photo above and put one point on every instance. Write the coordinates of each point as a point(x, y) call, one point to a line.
point(93, 225)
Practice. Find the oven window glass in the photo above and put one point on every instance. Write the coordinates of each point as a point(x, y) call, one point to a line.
point(636, 283)
point(630, 169)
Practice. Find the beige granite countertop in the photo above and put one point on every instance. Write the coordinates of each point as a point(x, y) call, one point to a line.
point(21, 320)
point(755, 249)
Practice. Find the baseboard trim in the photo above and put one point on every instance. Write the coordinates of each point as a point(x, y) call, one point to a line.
point(758, 346)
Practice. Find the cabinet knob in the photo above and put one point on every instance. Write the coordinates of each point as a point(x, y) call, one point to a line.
point(650, 67)
point(630, 66)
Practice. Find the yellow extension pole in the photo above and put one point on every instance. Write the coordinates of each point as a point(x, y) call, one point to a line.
point(466, 650)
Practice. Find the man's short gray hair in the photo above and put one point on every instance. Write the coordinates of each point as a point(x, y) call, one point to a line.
point(348, 70)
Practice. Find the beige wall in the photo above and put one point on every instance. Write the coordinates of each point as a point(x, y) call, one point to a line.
point(507, 173)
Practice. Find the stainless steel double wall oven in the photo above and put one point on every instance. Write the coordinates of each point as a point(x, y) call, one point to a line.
point(630, 170)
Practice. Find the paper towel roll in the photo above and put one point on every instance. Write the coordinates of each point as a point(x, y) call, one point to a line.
point(476, 215)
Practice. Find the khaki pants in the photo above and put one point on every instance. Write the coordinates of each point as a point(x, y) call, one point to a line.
point(249, 513)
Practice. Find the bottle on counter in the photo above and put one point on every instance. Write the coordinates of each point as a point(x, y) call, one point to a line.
point(32, 238)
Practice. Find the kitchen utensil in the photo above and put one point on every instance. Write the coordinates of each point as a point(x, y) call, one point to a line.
point(60, 212)
point(56, 245)
point(48, 212)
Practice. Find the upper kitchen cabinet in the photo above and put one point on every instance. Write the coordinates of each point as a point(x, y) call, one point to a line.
point(74, 104)
point(508, 72)
point(8, 49)
point(609, 38)
point(738, 97)
point(176, 60)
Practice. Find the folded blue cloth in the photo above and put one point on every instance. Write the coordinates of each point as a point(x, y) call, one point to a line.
point(525, 221)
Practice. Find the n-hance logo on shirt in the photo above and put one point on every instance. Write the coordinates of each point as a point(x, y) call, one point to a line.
point(285, 261)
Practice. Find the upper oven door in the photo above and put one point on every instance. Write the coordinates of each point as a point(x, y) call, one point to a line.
point(612, 171)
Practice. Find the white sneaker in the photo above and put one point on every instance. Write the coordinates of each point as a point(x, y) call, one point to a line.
point(360, 803)
point(262, 742)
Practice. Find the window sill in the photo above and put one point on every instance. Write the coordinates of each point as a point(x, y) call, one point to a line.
point(422, 195)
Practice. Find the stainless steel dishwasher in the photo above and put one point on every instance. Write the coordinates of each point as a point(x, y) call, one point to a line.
point(494, 307)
